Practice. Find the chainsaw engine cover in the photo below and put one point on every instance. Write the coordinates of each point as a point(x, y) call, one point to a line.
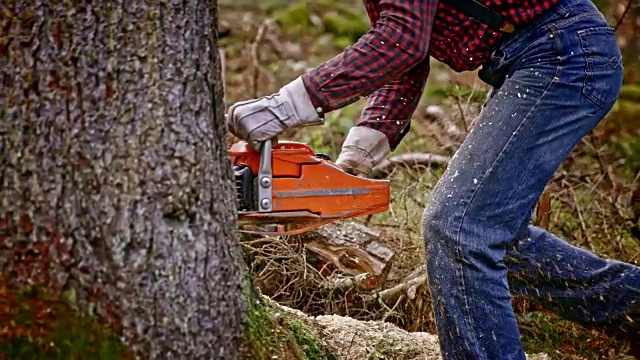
point(291, 185)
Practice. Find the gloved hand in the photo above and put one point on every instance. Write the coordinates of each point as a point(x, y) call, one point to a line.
point(362, 150)
point(265, 118)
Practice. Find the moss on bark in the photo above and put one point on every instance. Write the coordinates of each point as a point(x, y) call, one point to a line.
point(270, 333)
point(38, 324)
point(308, 342)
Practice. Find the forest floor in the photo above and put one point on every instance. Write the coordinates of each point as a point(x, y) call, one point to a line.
point(591, 201)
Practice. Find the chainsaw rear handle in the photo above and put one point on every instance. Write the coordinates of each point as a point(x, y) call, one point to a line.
point(265, 178)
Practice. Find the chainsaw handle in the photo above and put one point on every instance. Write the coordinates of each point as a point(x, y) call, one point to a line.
point(265, 177)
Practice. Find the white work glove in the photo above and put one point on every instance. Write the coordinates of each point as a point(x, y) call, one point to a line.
point(262, 119)
point(362, 150)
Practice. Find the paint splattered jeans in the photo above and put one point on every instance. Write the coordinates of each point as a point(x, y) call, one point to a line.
point(554, 83)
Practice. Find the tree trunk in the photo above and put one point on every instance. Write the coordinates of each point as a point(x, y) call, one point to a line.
point(115, 183)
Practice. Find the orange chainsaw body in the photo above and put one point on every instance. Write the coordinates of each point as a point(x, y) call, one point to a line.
point(287, 189)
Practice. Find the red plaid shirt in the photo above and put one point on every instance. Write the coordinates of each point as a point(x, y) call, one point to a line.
point(390, 64)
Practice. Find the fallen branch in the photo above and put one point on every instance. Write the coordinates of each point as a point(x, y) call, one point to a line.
point(437, 114)
point(406, 288)
point(409, 160)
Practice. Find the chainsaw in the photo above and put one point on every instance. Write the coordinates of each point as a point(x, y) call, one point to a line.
point(288, 189)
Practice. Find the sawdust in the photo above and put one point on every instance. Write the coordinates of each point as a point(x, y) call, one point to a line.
point(355, 339)
point(351, 339)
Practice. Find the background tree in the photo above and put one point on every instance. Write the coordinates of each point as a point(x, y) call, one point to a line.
point(115, 185)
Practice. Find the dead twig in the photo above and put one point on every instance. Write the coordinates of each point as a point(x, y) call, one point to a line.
point(393, 309)
point(462, 114)
point(608, 172)
point(400, 289)
point(255, 59)
point(615, 193)
point(635, 209)
point(409, 160)
point(624, 14)
point(437, 114)
point(543, 210)
point(583, 226)
point(351, 344)
point(473, 92)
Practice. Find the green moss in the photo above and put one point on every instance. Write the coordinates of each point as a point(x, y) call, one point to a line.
point(271, 335)
point(342, 42)
point(307, 342)
point(602, 5)
point(347, 26)
point(628, 148)
point(41, 325)
point(382, 350)
point(462, 92)
point(294, 18)
point(263, 338)
point(345, 22)
point(270, 6)
point(630, 92)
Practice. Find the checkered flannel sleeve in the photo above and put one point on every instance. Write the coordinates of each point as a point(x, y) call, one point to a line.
point(390, 108)
point(390, 63)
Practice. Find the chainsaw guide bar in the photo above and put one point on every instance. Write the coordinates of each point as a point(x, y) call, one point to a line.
point(287, 189)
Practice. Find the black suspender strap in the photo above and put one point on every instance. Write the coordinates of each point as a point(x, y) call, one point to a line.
point(482, 13)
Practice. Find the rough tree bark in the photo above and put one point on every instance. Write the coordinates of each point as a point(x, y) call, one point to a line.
point(114, 176)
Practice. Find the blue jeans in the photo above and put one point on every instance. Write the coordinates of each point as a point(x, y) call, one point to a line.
point(554, 82)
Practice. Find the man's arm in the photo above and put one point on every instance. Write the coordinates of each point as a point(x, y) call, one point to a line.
point(383, 122)
point(389, 109)
point(397, 42)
